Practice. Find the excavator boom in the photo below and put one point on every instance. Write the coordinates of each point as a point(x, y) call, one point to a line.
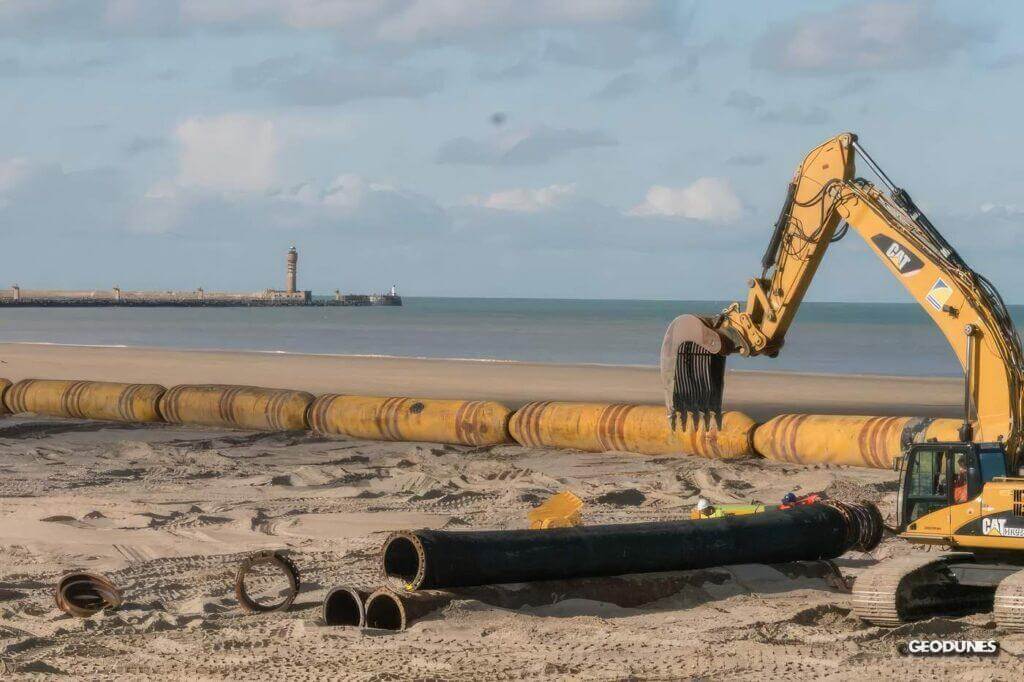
point(823, 201)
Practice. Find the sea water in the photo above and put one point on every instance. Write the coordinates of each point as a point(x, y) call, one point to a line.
point(859, 338)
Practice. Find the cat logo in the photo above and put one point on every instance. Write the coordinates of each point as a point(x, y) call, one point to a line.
point(993, 526)
point(998, 527)
point(900, 256)
point(939, 294)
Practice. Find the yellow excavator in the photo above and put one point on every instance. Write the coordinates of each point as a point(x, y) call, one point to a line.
point(961, 496)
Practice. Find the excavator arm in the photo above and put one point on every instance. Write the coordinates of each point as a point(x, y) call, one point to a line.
point(823, 201)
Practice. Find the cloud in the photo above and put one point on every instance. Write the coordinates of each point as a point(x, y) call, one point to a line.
point(744, 101)
point(581, 229)
point(756, 106)
point(707, 199)
point(91, 19)
point(521, 69)
point(685, 69)
point(611, 51)
point(621, 86)
point(792, 113)
point(89, 201)
point(419, 20)
point(525, 200)
point(350, 204)
point(1007, 61)
point(522, 148)
point(992, 230)
point(1002, 210)
point(233, 152)
point(353, 232)
point(406, 22)
point(856, 85)
point(293, 81)
point(88, 128)
point(871, 36)
point(746, 160)
point(12, 67)
point(142, 144)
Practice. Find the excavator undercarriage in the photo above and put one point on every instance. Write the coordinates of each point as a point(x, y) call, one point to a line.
point(913, 588)
point(906, 589)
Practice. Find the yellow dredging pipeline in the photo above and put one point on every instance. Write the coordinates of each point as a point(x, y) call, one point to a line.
point(245, 407)
point(99, 400)
point(644, 429)
point(863, 441)
point(852, 440)
point(4, 385)
point(460, 422)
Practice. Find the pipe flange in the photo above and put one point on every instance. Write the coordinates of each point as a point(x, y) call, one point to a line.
point(399, 580)
point(344, 606)
point(385, 610)
point(283, 564)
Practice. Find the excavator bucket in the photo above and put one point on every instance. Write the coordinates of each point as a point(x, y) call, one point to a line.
point(693, 373)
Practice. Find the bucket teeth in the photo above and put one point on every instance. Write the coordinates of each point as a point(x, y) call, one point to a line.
point(697, 389)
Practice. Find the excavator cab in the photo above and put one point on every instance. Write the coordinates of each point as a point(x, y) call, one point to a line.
point(960, 497)
point(935, 477)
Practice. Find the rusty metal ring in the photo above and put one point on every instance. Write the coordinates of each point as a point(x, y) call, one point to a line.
point(284, 564)
point(84, 594)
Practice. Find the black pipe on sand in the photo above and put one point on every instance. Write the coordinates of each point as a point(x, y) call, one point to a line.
point(437, 559)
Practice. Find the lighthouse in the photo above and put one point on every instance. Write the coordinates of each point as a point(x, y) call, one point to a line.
point(293, 269)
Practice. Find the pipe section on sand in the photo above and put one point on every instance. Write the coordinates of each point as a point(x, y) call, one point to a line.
point(83, 594)
point(850, 440)
point(389, 610)
point(100, 400)
point(459, 422)
point(246, 407)
point(282, 565)
point(345, 606)
point(429, 559)
point(4, 385)
point(644, 429)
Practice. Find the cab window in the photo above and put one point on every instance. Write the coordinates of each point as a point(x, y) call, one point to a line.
point(927, 483)
point(993, 463)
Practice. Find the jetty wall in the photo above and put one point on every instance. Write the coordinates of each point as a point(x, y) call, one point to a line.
point(16, 296)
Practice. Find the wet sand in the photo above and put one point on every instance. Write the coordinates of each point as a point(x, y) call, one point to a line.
point(760, 394)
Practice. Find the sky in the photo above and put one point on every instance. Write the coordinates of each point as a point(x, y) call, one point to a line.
point(522, 148)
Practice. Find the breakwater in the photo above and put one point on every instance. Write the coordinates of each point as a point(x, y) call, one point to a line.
point(17, 297)
point(291, 295)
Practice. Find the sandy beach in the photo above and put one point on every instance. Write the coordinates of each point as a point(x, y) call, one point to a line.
point(168, 512)
point(760, 394)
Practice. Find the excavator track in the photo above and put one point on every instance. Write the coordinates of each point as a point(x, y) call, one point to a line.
point(901, 590)
point(1009, 602)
